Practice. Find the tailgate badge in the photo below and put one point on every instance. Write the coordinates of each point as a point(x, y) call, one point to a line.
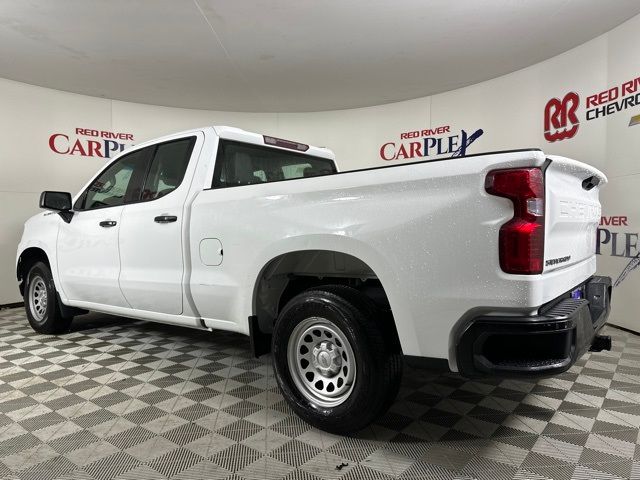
point(556, 261)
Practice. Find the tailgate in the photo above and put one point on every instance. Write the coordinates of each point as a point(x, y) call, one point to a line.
point(572, 212)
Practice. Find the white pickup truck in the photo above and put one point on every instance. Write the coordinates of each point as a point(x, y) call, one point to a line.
point(485, 263)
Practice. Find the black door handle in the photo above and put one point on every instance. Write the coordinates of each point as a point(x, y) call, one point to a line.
point(165, 219)
point(108, 223)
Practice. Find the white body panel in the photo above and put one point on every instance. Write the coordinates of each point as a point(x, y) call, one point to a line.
point(150, 279)
point(572, 214)
point(429, 232)
point(89, 258)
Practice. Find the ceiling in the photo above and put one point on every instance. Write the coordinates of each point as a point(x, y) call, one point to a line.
point(286, 55)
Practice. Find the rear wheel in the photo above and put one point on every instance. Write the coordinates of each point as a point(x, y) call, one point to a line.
point(336, 368)
point(41, 302)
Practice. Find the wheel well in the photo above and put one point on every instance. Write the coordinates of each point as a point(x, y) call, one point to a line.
point(290, 274)
point(26, 260)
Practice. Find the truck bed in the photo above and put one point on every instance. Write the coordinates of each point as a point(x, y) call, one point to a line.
point(428, 230)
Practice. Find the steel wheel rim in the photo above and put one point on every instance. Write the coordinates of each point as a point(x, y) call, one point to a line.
point(38, 298)
point(321, 362)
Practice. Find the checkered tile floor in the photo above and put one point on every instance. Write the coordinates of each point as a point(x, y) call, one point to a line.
point(123, 399)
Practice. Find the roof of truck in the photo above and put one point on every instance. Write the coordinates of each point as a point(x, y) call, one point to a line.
point(237, 134)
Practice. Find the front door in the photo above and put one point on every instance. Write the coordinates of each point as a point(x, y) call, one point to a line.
point(88, 251)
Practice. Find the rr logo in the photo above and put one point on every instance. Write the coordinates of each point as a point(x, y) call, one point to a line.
point(560, 119)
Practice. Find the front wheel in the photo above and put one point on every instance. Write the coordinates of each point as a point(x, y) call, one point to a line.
point(333, 362)
point(41, 302)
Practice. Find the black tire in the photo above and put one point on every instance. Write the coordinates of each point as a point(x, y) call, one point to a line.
point(378, 359)
point(48, 318)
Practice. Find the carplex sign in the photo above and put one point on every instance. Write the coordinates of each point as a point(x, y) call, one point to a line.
point(429, 143)
point(86, 142)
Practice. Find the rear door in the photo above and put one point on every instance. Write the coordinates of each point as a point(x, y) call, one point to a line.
point(151, 231)
point(572, 212)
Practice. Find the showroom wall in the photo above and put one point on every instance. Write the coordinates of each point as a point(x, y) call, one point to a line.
point(56, 140)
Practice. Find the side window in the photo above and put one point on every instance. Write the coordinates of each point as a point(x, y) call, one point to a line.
point(167, 168)
point(246, 164)
point(119, 184)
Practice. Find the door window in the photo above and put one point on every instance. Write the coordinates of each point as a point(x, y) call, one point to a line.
point(167, 168)
point(119, 184)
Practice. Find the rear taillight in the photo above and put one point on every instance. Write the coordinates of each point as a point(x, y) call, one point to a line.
point(522, 237)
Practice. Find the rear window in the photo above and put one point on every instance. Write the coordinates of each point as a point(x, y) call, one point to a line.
point(246, 164)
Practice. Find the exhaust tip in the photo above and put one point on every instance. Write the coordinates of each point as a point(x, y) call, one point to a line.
point(600, 343)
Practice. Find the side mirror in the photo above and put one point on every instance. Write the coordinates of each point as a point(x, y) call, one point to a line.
point(59, 202)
